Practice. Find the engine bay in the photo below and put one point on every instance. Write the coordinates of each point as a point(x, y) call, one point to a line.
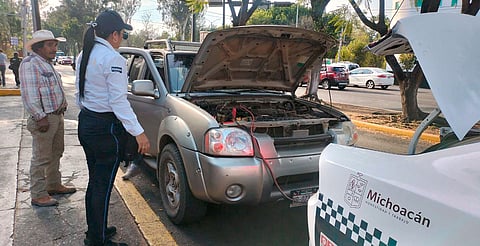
point(279, 117)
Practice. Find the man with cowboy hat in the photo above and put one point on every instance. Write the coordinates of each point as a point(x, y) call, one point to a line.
point(44, 99)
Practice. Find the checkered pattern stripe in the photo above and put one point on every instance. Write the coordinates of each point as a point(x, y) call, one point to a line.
point(354, 228)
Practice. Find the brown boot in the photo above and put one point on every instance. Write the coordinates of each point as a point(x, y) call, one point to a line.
point(45, 201)
point(62, 190)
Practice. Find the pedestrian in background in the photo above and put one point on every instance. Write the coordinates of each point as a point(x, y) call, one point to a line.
point(44, 99)
point(104, 119)
point(14, 66)
point(3, 64)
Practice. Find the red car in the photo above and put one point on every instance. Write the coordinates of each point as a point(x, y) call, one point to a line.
point(333, 76)
point(65, 60)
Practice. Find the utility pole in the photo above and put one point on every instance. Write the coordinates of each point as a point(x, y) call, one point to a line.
point(24, 27)
point(223, 6)
point(36, 16)
point(194, 26)
point(296, 17)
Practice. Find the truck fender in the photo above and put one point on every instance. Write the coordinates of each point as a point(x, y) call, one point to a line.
point(177, 129)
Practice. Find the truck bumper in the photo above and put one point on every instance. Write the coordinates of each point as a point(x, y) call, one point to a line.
point(254, 179)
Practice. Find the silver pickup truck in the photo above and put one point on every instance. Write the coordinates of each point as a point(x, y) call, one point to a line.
point(223, 119)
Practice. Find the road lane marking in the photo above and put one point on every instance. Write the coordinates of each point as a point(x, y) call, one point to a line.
point(149, 224)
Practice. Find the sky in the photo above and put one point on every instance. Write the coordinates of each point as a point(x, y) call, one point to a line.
point(213, 15)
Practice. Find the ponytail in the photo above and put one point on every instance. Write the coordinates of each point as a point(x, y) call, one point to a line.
point(88, 43)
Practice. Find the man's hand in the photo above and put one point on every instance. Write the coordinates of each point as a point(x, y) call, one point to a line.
point(43, 124)
point(143, 143)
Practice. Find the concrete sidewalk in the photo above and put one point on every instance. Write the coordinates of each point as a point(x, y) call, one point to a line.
point(11, 120)
point(24, 224)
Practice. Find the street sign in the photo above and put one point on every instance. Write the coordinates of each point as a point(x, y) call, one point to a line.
point(14, 41)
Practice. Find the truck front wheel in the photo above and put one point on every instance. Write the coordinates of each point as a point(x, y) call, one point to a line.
point(177, 199)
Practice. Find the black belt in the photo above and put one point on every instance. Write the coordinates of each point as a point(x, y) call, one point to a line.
point(104, 115)
point(58, 111)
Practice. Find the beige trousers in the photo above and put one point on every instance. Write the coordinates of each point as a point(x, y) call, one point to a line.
point(47, 149)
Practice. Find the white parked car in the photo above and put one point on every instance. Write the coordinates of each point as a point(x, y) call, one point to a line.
point(347, 65)
point(371, 77)
point(368, 197)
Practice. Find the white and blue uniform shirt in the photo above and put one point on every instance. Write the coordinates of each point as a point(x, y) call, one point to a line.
point(106, 85)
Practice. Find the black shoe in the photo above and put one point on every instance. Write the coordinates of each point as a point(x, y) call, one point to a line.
point(109, 243)
point(132, 171)
point(111, 231)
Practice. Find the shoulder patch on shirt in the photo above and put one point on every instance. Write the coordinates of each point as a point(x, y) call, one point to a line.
point(116, 69)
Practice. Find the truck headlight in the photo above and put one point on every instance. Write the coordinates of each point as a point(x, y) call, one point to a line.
point(344, 133)
point(228, 142)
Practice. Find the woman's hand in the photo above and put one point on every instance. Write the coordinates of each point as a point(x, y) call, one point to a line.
point(143, 143)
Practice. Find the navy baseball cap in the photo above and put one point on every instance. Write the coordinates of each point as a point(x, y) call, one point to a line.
point(109, 21)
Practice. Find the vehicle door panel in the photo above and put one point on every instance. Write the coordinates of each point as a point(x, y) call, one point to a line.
point(148, 109)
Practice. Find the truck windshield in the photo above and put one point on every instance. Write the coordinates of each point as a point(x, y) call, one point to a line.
point(178, 67)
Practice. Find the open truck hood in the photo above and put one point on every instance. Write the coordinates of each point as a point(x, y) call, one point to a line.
point(446, 46)
point(256, 57)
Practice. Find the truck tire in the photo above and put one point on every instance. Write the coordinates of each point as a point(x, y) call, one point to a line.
point(177, 199)
point(326, 84)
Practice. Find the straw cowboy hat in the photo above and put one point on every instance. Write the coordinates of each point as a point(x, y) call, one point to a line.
point(42, 35)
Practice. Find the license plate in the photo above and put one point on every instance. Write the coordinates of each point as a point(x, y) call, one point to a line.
point(300, 197)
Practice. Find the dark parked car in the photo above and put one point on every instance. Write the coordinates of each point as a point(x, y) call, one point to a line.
point(223, 119)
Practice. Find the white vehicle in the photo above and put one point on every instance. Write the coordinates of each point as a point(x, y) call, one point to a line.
point(347, 65)
point(57, 55)
point(371, 77)
point(368, 197)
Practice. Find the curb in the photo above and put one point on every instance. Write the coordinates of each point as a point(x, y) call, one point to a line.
point(152, 228)
point(9, 92)
point(395, 131)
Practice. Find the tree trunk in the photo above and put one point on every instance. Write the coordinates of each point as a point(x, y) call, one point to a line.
point(408, 89)
point(318, 7)
point(244, 13)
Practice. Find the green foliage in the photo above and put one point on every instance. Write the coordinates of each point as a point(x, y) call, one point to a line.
point(407, 61)
point(177, 15)
point(197, 6)
point(355, 52)
point(279, 16)
point(10, 25)
point(69, 20)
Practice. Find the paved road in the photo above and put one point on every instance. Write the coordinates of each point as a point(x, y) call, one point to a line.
point(374, 98)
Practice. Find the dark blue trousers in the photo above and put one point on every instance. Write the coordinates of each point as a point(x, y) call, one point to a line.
point(103, 138)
